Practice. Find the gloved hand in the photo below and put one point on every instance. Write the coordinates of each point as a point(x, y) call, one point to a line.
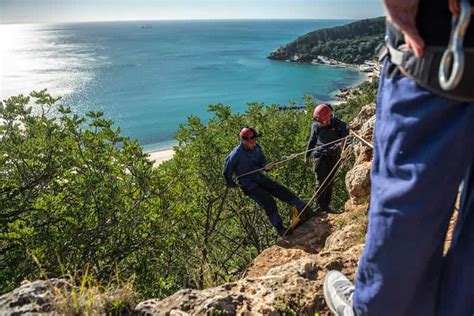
point(345, 154)
point(268, 167)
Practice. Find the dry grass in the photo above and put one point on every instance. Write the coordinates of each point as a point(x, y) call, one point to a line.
point(86, 296)
point(83, 294)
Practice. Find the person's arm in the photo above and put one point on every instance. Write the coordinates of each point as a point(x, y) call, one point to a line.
point(313, 140)
point(229, 167)
point(402, 14)
point(262, 161)
point(344, 131)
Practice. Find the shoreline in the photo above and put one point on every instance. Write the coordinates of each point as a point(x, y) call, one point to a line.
point(158, 156)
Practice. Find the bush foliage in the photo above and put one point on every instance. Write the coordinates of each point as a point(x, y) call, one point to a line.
point(74, 192)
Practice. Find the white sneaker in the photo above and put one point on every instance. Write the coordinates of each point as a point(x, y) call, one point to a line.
point(338, 291)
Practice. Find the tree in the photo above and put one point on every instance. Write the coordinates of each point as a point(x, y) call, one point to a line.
point(72, 191)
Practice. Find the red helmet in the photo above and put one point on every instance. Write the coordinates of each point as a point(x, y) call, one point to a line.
point(322, 113)
point(248, 134)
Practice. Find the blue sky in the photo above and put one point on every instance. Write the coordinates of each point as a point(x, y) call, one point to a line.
point(33, 11)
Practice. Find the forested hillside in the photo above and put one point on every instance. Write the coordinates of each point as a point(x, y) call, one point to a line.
point(352, 43)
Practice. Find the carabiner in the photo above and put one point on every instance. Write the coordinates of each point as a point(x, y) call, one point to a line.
point(451, 67)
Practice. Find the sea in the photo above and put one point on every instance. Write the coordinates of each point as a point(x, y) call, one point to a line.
point(149, 76)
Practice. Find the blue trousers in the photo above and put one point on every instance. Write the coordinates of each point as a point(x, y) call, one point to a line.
point(262, 191)
point(423, 150)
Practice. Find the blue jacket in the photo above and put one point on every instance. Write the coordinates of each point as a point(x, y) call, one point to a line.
point(241, 161)
point(320, 136)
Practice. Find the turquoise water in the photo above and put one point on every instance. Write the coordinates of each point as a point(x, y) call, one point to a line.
point(149, 76)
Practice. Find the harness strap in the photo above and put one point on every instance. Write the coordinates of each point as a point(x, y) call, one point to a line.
point(425, 70)
point(446, 71)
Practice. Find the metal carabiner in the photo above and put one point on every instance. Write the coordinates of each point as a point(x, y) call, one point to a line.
point(451, 67)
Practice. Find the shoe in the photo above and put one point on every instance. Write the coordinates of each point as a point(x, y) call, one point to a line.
point(308, 214)
point(338, 292)
point(295, 219)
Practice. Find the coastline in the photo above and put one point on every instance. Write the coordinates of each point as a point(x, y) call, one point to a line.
point(346, 93)
point(158, 156)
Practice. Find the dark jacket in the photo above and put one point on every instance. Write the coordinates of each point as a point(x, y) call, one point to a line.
point(319, 136)
point(241, 161)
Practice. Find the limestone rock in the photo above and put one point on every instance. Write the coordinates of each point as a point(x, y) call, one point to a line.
point(358, 183)
point(365, 113)
point(31, 297)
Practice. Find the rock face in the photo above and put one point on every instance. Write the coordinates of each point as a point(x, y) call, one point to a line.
point(281, 279)
point(358, 178)
point(31, 297)
point(358, 183)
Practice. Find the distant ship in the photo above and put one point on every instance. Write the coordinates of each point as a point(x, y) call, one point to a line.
point(145, 27)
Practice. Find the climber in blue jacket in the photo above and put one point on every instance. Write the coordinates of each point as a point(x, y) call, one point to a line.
point(248, 157)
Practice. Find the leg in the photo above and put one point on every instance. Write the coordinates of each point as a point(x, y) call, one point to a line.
point(266, 201)
point(322, 170)
point(422, 147)
point(456, 292)
point(281, 192)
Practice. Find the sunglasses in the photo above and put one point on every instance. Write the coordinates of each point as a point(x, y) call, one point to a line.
point(247, 138)
point(319, 121)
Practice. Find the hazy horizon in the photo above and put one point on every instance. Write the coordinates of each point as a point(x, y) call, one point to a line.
point(184, 19)
point(62, 11)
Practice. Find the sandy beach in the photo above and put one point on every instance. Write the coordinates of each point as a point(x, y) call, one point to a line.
point(158, 156)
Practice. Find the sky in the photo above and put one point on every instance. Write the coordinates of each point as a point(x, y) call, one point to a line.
point(51, 11)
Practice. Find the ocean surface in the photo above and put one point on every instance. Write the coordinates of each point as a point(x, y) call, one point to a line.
point(149, 76)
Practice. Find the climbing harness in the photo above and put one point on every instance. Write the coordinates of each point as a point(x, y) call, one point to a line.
point(451, 68)
point(446, 71)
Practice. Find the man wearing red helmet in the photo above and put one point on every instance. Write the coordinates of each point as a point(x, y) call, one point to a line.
point(248, 157)
point(325, 129)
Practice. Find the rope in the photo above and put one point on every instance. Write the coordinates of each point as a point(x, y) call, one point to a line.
point(293, 156)
point(361, 139)
point(318, 191)
point(336, 165)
